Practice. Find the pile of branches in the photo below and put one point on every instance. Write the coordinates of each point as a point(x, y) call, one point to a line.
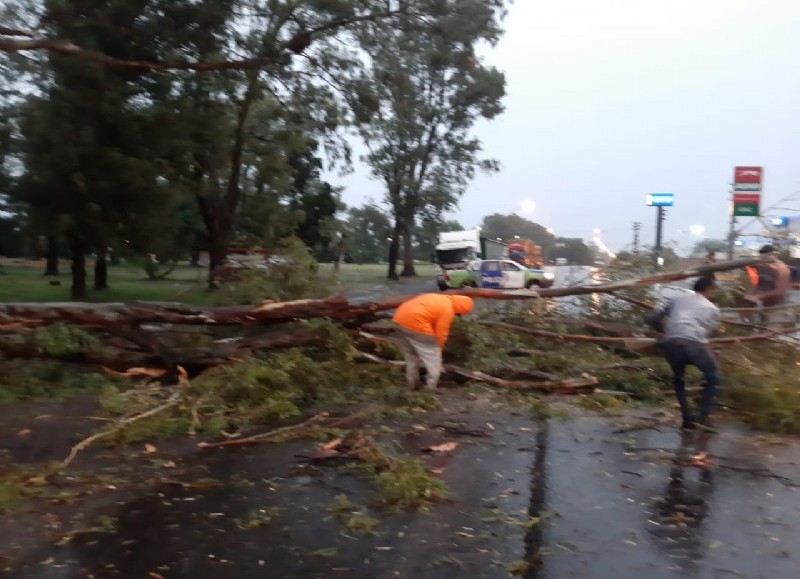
point(145, 333)
point(172, 335)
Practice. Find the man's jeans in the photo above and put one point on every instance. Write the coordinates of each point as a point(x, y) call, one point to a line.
point(681, 353)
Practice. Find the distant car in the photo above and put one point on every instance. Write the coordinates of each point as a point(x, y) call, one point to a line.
point(498, 274)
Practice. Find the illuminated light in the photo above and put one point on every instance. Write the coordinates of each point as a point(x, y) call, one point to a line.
point(527, 207)
point(697, 229)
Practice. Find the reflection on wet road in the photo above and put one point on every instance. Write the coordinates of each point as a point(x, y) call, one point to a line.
point(650, 504)
point(675, 520)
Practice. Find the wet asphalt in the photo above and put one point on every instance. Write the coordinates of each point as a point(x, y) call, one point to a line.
point(269, 512)
point(589, 496)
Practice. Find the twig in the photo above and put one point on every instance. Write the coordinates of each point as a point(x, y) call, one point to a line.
point(565, 386)
point(763, 472)
point(173, 401)
point(315, 420)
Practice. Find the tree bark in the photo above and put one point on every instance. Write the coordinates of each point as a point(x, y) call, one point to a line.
point(101, 271)
point(394, 247)
point(51, 256)
point(408, 250)
point(219, 226)
point(78, 267)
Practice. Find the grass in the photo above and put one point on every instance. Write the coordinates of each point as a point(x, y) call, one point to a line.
point(24, 282)
point(354, 276)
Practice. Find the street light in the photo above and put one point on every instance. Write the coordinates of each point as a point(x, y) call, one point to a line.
point(697, 229)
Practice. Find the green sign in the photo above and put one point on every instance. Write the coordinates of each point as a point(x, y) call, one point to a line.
point(745, 210)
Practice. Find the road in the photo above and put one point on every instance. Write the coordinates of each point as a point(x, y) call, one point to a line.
point(591, 497)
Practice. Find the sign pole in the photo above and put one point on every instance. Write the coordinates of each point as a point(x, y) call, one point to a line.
point(659, 222)
point(659, 201)
point(732, 230)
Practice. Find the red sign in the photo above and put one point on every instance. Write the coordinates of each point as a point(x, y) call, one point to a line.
point(746, 198)
point(747, 174)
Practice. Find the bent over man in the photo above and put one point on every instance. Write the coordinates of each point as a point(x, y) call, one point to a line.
point(691, 319)
point(424, 325)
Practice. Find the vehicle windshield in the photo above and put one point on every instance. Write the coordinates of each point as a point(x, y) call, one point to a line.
point(447, 256)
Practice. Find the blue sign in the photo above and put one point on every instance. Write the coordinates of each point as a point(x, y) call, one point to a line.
point(779, 221)
point(661, 199)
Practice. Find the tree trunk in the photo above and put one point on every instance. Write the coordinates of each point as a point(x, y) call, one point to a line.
point(339, 258)
point(77, 251)
point(101, 271)
point(408, 251)
point(51, 255)
point(219, 231)
point(394, 246)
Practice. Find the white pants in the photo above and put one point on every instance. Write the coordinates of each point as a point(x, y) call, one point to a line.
point(420, 348)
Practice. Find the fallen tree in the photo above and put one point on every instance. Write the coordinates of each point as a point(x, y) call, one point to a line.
point(232, 393)
point(156, 334)
point(140, 322)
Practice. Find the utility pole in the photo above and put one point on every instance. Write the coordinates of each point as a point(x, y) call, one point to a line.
point(637, 227)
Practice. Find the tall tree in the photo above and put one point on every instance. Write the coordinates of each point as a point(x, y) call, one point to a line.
point(507, 227)
point(90, 137)
point(369, 234)
point(262, 53)
point(288, 96)
point(513, 226)
point(424, 90)
point(316, 200)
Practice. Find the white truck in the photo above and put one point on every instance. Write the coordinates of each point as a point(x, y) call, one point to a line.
point(459, 253)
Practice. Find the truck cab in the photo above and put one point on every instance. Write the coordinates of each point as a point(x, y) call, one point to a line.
point(458, 257)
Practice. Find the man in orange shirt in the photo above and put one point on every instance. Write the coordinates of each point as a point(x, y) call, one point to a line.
point(424, 324)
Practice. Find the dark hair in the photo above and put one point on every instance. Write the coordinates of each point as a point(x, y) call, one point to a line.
point(767, 249)
point(703, 283)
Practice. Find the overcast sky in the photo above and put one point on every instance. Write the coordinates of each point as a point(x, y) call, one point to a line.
point(609, 100)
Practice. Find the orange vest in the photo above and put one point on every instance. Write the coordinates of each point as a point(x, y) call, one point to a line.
point(752, 275)
point(432, 314)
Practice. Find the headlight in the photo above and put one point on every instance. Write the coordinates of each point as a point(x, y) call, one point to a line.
point(549, 275)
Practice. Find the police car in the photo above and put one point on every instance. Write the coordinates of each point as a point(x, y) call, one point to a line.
point(498, 274)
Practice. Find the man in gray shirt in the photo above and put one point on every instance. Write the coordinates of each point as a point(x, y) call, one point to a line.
point(691, 319)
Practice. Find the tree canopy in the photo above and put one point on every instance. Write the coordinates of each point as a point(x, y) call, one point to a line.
point(415, 103)
point(175, 126)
